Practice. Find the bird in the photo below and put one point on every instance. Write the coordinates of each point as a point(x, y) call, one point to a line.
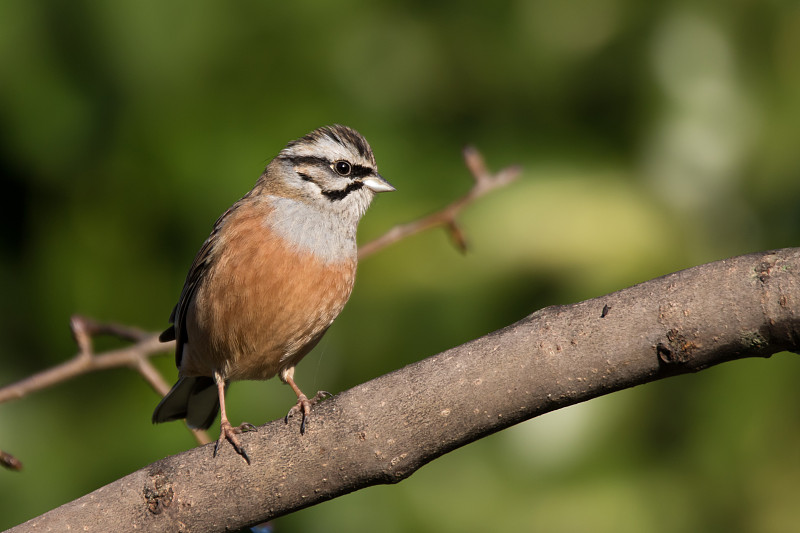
point(276, 270)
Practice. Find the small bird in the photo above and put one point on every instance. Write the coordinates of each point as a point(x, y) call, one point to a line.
point(275, 272)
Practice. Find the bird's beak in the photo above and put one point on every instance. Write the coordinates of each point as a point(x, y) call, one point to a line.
point(376, 183)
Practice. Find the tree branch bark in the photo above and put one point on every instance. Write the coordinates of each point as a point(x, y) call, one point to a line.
point(384, 430)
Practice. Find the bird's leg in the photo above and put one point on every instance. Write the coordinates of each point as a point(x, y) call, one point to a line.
point(226, 431)
point(303, 404)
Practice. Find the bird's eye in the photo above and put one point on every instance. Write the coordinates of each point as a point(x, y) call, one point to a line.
point(342, 168)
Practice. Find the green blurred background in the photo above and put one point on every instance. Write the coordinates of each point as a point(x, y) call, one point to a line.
point(654, 136)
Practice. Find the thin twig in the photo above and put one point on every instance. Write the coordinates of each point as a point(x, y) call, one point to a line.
point(9, 461)
point(485, 182)
point(135, 356)
point(86, 361)
point(92, 328)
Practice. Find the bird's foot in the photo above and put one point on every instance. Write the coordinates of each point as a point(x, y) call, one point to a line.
point(227, 431)
point(304, 406)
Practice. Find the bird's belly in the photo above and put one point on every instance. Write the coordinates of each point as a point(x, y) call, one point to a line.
point(262, 310)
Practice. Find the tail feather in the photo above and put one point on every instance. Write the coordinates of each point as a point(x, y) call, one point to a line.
point(192, 398)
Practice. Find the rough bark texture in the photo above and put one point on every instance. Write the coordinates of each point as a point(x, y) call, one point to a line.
point(384, 430)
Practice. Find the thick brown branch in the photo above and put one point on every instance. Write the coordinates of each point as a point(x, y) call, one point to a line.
point(384, 430)
point(485, 182)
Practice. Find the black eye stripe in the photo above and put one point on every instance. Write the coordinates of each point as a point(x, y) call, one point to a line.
point(356, 170)
point(334, 194)
point(359, 171)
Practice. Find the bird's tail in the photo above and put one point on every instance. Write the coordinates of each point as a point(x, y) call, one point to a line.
point(192, 398)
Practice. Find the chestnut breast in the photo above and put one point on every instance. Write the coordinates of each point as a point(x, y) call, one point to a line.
point(264, 303)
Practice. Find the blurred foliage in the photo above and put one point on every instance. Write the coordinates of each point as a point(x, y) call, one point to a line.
point(654, 136)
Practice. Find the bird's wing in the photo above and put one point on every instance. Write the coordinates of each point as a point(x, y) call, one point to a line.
point(197, 274)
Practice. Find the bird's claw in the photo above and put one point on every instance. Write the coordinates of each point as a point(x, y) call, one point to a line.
point(228, 432)
point(303, 406)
